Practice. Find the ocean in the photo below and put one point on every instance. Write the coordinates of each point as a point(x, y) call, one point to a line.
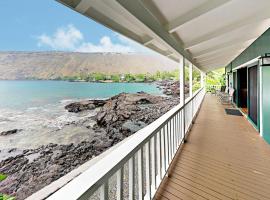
point(37, 108)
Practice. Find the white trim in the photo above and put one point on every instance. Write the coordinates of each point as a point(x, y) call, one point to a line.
point(253, 61)
point(261, 102)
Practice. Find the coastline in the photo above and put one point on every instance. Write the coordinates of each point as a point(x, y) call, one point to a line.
point(117, 118)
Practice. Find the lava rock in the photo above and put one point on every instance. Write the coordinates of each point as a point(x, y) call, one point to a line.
point(10, 132)
point(84, 105)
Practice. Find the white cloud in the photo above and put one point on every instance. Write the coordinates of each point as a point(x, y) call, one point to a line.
point(105, 45)
point(65, 38)
point(69, 38)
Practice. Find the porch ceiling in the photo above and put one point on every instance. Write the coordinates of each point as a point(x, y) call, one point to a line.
point(209, 33)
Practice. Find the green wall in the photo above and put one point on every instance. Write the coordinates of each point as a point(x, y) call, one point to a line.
point(266, 102)
point(257, 48)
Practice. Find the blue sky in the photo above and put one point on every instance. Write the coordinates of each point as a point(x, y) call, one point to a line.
point(44, 25)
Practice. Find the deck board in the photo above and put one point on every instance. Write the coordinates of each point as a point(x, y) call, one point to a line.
point(224, 158)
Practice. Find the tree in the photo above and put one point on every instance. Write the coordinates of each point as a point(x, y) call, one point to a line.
point(115, 78)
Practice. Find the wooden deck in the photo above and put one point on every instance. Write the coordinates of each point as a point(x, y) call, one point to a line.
point(225, 158)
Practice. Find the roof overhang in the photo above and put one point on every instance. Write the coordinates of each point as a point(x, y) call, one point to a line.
point(209, 33)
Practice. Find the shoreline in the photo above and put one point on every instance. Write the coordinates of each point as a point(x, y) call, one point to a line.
point(117, 118)
point(83, 81)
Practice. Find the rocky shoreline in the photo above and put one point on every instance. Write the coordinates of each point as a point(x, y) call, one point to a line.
point(118, 117)
point(171, 88)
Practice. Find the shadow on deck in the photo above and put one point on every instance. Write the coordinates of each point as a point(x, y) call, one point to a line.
point(224, 158)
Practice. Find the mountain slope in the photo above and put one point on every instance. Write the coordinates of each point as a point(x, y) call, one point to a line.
point(50, 65)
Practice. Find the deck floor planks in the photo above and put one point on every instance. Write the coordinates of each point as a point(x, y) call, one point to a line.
point(224, 158)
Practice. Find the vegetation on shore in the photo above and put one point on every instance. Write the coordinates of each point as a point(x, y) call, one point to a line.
point(4, 196)
point(2, 177)
point(128, 77)
point(133, 78)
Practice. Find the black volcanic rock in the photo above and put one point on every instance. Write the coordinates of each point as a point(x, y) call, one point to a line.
point(10, 132)
point(171, 88)
point(124, 114)
point(120, 116)
point(84, 105)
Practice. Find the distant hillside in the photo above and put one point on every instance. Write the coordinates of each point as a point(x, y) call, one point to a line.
point(50, 65)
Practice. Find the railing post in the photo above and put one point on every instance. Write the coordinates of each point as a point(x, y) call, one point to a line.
point(131, 178)
point(190, 80)
point(191, 88)
point(202, 79)
point(120, 178)
point(182, 93)
point(140, 174)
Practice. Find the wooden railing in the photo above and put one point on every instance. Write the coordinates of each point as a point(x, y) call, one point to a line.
point(135, 169)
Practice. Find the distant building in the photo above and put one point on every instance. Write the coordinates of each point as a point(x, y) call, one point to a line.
point(122, 77)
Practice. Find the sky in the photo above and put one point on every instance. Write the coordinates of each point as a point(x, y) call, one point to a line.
point(46, 25)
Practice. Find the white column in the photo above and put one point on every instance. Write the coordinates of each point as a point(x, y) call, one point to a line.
point(202, 79)
point(182, 96)
point(261, 101)
point(190, 80)
point(182, 80)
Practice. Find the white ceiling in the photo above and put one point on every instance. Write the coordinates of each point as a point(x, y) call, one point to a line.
point(209, 33)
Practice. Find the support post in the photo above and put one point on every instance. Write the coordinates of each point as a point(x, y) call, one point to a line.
point(182, 80)
point(202, 79)
point(182, 95)
point(190, 80)
point(191, 89)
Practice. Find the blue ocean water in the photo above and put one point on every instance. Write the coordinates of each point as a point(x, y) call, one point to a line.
point(25, 94)
point(37, 108)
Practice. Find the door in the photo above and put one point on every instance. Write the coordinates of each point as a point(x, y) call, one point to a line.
point(253, 93)
point(235, 86)
point(242, 88)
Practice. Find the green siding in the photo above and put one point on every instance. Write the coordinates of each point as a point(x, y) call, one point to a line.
point(266, 102)
point(257, 48)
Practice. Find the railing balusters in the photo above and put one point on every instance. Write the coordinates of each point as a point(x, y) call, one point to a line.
point(159, 157)
point(148, 170)
point(154, 163)
point(163, 151)
point(175, 133)
point(172, 138)
point(166, 134)
point(178, 129)
point(140, 174)
point(119, 186)
point(131, 178)
point(170, 141)
point(104, 191)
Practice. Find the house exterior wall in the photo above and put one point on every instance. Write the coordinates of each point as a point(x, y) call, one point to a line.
point(256, 49)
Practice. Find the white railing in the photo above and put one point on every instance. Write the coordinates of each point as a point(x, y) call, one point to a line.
point(213, 88)
point(135, 169)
